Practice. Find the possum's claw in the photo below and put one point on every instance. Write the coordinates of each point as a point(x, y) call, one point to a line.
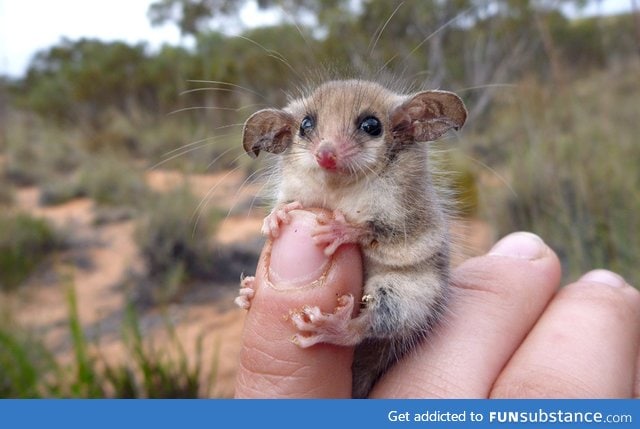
point(247, 290)
point(336, 231)
point(332, 328)
point(280, 214)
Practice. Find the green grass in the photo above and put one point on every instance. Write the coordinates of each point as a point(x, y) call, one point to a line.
point(165, 372)
point(26, 366)
point(29, 370)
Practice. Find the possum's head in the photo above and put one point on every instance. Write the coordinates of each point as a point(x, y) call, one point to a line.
point(352, 127)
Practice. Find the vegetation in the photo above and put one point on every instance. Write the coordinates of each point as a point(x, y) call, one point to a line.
point(25, 242)
point(29, 370)
point(174, 242)
point(569, 163)
point(25, 364)
point(550, 147)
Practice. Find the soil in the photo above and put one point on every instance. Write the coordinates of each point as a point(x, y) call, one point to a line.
point(103, 255)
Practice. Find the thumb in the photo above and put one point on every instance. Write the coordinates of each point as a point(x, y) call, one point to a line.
point(293, 272)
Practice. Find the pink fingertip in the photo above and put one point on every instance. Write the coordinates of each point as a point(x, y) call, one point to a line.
point(296, 260)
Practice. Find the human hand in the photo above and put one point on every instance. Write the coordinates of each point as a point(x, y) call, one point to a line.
point(509, 331)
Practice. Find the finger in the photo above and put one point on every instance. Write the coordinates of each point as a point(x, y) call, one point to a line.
point(584, 346)
point(496, 300)
point(636, 384)
point(292, 273)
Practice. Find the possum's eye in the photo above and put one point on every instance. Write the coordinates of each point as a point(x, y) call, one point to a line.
point(371, 125)
point(306, 125)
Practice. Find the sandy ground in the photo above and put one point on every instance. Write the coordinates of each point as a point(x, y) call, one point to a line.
point(104, 254)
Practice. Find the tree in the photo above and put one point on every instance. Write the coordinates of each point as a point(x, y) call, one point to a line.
point(192, 16)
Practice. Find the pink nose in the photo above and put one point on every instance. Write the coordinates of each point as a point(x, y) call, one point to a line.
point(327, 159)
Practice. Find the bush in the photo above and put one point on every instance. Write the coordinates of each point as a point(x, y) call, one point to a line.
point(174, 245)
point(111, 181)
point(107, 179)
point(24, 243)
point(22, 160)
point(37, 150)
point(60, 191)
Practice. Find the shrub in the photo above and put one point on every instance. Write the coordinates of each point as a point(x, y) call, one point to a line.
point(106, 178)
point(21, 164)
point(37, 150)
point(24, 243)
point(111, 181)
point(60, 191)
point(175, 246)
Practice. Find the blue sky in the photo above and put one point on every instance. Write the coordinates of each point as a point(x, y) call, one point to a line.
point(27, 26)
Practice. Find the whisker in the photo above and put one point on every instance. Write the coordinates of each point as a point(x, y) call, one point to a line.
point(217, 158)
point(267, 183)
point(375, 43)
point(222, 127)
point(442, 27)
point(384, 66)
point(189, 91)
point(272, 53)
point(218, 82)
point(191, 144)
point(229, 109)
point(493, 171)
point(488, 85)
point(426, 39)
point(295, 24)
point(272, 174)
point(236, 199)
point(184, 152)
point(197, 213)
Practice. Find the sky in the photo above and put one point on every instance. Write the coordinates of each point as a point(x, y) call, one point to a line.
point(27, 26)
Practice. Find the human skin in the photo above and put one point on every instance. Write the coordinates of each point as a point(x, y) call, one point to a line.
point(510, 330)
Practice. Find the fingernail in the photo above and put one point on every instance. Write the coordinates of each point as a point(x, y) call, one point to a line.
point(296, 261)
point(605, 277)
point(521, 245)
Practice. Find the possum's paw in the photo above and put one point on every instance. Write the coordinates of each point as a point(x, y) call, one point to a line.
point(335, 231)
point(332, 328)
point(247, 290)
point(280, 214)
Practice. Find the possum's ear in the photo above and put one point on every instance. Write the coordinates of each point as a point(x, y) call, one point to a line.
point(269, 129)
point(427, 115)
